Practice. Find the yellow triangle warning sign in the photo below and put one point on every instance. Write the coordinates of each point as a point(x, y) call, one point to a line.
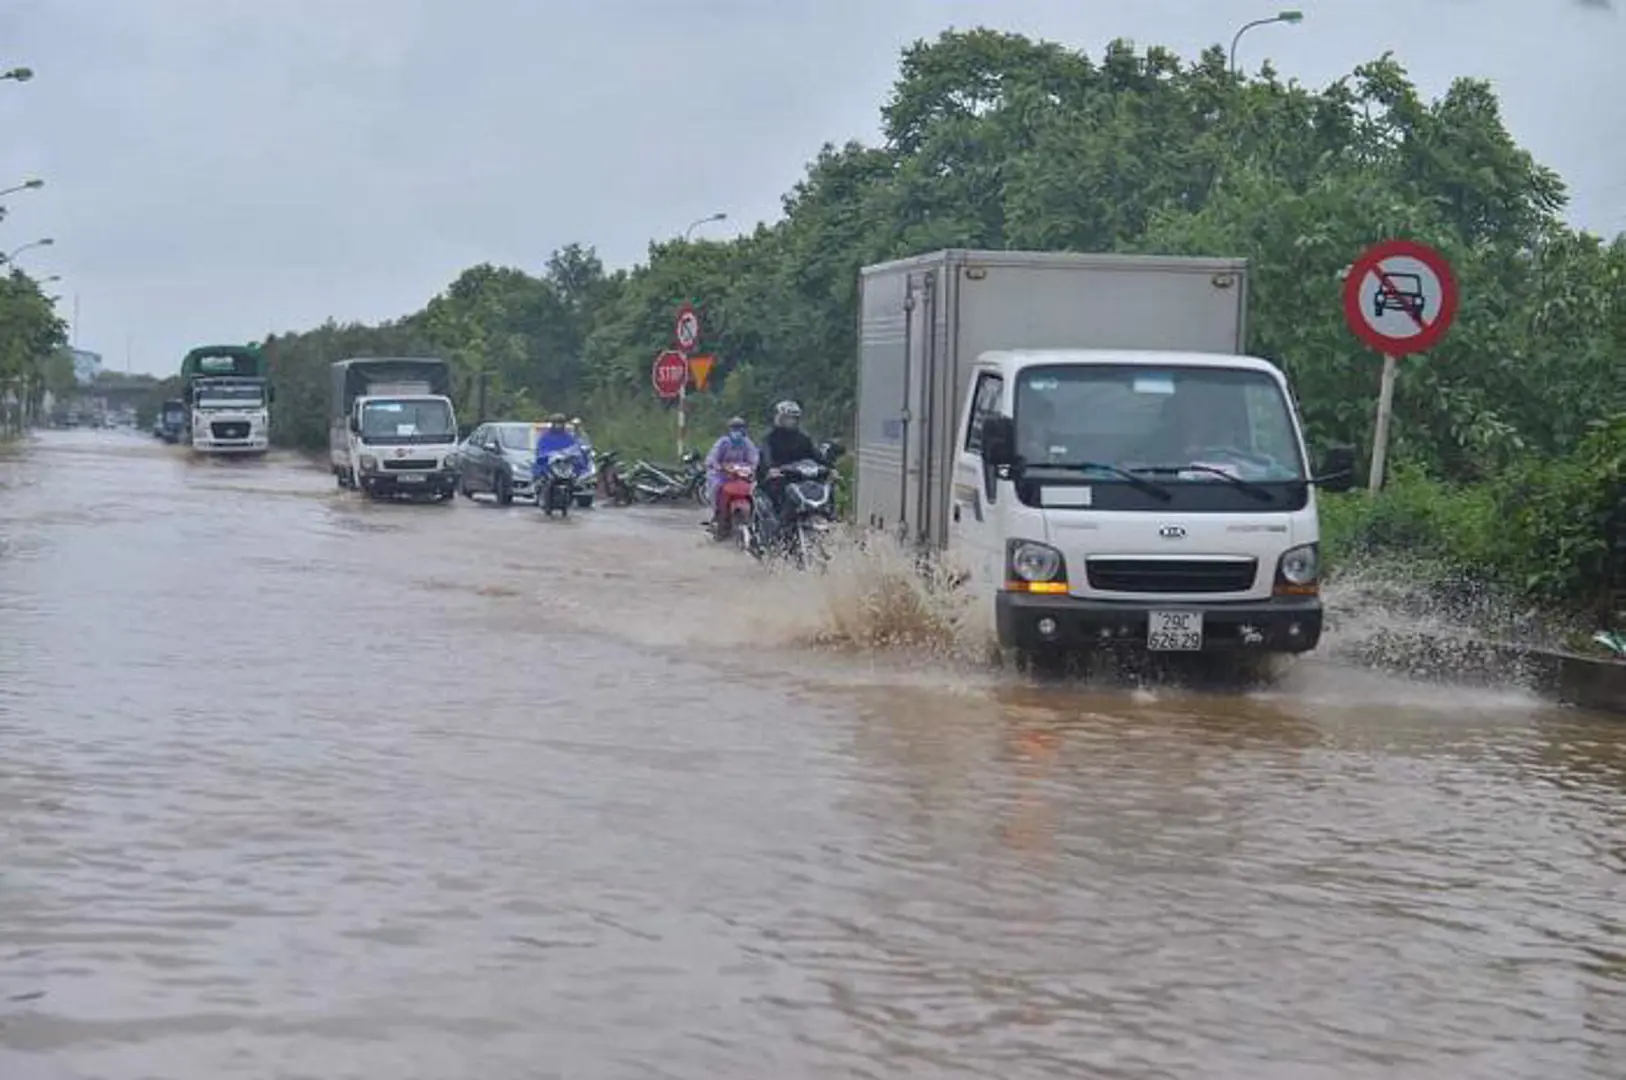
point(700, 370)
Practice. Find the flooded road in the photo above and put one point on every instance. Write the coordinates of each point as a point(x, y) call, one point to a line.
point(296, 786)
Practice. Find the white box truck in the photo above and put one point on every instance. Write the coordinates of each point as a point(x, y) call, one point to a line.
point(1083, 436)
point(392, 430)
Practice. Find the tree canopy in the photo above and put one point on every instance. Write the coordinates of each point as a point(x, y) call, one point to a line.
point(995, 140)
point(30, 333)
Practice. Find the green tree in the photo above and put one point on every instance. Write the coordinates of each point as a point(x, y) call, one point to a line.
point(30, 333)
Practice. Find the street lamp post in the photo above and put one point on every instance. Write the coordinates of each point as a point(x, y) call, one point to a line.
point(719, 216)
point(1290, 16)
point(26, 185)
point(11, 257)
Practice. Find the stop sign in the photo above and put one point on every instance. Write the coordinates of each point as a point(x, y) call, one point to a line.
point(670, 373)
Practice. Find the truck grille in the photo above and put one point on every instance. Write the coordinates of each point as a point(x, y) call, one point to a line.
point(230, 429)
point(1171, 575)
point(406, 464)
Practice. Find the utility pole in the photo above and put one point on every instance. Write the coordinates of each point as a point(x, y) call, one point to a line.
point(74, 340)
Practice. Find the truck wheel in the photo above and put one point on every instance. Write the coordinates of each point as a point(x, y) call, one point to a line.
point(505, 491)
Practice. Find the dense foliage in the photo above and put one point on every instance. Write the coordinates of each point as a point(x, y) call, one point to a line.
point(994, 140)
point(30, 334)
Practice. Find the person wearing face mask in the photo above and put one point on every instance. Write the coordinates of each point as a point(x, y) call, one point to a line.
point(733, 448)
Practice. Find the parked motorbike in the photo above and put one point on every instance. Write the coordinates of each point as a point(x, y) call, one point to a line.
point(587, 482)
point(555, 483)
point(611, 484)
point(732, 515)
point(808, 515)
point(652, 483)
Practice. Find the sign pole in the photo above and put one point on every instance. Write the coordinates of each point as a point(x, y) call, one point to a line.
point(686, 334)
point(1400, 297)
point(1380, 432)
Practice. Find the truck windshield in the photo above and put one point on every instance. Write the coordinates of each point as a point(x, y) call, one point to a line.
point(231, 397)
point(404, 422)
point(1228, 421)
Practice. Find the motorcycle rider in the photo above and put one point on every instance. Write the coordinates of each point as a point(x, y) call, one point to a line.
point(733, 448)
point(785, 443)
point(557, 438)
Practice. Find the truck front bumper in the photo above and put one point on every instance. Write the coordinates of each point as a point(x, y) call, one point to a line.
point(255, 445)
point(428, 482)
point(1286, 624)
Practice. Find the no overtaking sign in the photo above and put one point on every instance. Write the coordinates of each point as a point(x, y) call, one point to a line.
point(1400, 297)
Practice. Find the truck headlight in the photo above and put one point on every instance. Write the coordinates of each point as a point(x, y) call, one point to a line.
point(1299, 568)
point(1034, 567)
point(368, 463)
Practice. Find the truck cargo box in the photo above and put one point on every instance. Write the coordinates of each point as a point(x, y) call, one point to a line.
point(924, 320)
point(384, 376)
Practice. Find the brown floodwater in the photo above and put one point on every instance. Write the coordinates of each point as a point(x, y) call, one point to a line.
point(293, 785)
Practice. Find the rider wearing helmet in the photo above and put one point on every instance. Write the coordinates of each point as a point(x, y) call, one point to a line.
point(784, 444)
point(733, 448)
point(558, 438)
point(787, 442)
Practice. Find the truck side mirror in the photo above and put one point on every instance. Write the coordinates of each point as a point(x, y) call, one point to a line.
point(270, 395)
point(1337, 472)
point(999, 441)
point(355, 425)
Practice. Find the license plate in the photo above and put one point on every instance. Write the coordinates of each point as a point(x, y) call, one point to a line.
point(1174, 631)
point(409, 479)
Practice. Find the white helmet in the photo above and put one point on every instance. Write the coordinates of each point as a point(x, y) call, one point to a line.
point(787, 414)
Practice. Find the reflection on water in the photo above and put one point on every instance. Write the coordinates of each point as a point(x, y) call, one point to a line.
point(297, 786)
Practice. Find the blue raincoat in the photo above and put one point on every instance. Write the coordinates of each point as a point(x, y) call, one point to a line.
point(552, 442)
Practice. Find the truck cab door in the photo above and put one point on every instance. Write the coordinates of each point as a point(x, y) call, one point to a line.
point(974, 528)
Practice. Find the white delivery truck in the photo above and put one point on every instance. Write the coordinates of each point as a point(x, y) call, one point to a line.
point(227, 397)
point(392, 430)
point(1083, 436)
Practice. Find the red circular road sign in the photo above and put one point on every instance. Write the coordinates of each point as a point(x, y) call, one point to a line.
point(1400, 297)
point(687, 328)
point(669, 374)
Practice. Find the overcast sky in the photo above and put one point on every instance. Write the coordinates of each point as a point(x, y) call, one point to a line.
point(218, 169)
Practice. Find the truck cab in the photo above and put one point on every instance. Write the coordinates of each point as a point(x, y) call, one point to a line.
point(231, 415)
point(394, 431)
point(172, 420)
point(1160, 500)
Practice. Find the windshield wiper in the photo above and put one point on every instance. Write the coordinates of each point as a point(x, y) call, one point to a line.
point(1139, 483)
point(1261, 493)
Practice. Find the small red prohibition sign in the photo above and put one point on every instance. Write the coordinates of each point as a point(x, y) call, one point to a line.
point(1428, 306)
point(669, 374)
point(686, 328)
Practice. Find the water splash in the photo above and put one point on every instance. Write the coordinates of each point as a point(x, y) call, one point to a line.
point(1415, 619)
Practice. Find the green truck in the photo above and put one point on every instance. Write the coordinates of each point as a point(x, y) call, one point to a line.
point(228, 399)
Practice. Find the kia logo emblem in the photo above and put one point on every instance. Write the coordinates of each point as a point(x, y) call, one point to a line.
point(1172, 532)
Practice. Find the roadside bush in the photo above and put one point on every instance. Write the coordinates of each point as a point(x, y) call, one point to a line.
point(1550, 530)
point(1436, 524)
point(1562, 529)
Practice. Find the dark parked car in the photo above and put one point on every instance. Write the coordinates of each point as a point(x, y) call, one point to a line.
point(496, 460)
